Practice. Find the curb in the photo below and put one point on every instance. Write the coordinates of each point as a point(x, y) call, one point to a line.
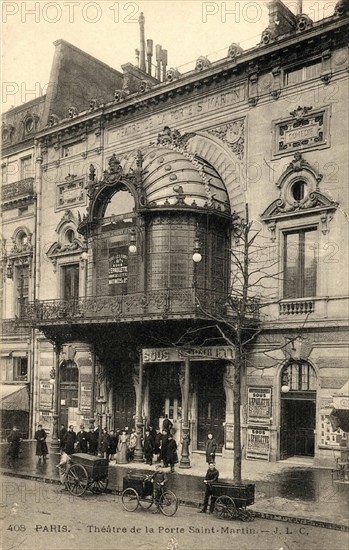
point(191, 504)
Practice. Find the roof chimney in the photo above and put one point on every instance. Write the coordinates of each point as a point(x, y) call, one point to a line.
point(141, 21)
point(158, 51)
point(149, 54)
point(164, 64)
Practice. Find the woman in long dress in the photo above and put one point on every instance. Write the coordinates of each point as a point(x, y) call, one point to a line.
point(122, 449)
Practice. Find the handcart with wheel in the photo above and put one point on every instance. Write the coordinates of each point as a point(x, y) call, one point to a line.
point(231, 500)
point(84, 472)
point(138, 491)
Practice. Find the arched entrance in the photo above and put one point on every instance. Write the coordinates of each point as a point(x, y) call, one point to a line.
point(69, 392)
point(298, 409)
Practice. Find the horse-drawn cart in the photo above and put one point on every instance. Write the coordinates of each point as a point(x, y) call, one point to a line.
point(231, 500)
point(84, 472)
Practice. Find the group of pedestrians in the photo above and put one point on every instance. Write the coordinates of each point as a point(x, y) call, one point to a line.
point(160, 447)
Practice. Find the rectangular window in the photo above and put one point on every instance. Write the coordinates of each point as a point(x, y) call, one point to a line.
point(3, 174)
point(22, 287)
point(303, 72)
point(300, 263)
point(20, 369)
point(71, 149)
point(26, 168)
point(70, 282)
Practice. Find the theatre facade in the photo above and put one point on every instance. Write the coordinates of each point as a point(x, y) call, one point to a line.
point(137, 200)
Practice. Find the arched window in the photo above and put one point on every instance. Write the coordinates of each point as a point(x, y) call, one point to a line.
point(122, 202)
point(298, 376)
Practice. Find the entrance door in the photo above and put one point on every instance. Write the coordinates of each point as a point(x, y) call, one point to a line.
point(297, 428)
point(125, 407)
point(68, 390)
point(211, 404)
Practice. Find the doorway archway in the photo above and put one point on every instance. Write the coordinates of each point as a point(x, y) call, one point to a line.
point(298, 409)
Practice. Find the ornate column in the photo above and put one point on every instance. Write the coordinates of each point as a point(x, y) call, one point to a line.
point(138, 455)
point(56, 391)
point(185, 460)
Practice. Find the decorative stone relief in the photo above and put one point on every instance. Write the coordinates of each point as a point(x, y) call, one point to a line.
point(232, 134)
point(70, 193)
point(304, 130)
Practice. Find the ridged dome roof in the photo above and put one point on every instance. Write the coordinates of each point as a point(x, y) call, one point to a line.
point(173, 178)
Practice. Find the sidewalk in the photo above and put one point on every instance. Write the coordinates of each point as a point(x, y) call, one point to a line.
point(290, 492)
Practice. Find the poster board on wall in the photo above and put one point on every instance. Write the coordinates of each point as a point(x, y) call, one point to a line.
point(258, 443)
point(259, 406)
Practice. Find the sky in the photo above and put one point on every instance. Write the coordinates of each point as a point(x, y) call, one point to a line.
point(108, 30)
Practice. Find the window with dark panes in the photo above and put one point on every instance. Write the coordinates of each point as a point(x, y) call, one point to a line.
point(170, 256)
point(300, 263)
point(20, 368)
point(70, 281)
point(22, 288)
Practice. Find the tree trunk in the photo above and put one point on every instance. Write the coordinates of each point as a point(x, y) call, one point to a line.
point(237, 423)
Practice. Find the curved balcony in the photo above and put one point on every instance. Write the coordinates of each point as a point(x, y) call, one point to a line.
point(156, 304)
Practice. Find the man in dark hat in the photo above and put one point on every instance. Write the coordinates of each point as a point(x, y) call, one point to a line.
point(82, 439)
point(70, 440)
point(92, 441)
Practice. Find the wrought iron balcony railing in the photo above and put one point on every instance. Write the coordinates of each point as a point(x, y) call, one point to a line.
point(178, 303)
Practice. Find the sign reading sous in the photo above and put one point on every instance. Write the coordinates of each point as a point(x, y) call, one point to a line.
point(169, 355)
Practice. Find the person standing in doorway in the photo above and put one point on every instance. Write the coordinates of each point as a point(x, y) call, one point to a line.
point(211, 446)
point(41, 445)
point(211, 476)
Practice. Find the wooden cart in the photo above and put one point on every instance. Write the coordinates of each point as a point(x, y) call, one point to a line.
point(86, 472)
point(231, 500)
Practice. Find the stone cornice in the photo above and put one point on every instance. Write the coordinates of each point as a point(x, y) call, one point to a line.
point(222, 70)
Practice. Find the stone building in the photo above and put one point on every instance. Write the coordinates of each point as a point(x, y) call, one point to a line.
point(130, 235)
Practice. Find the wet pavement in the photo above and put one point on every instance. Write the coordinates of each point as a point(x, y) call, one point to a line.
point(298, 492)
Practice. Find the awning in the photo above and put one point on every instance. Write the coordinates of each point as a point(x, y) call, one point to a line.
point(339, 416)
point(14, 398)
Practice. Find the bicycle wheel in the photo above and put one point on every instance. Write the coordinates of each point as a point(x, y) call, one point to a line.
point(130, 499)
point(99, 486)
point(168, 503)
point(146, 502)
point(225, 507)
point(76, 480)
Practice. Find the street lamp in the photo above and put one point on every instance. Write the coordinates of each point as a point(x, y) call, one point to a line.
point(100, 405)
point(132, 247)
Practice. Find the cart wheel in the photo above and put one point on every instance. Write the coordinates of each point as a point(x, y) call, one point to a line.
point(225, 507)
point(146, 502)
point(130, 499)
point(168, 503)
point(99, 486)
point(76, 480)
point(246, 515)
